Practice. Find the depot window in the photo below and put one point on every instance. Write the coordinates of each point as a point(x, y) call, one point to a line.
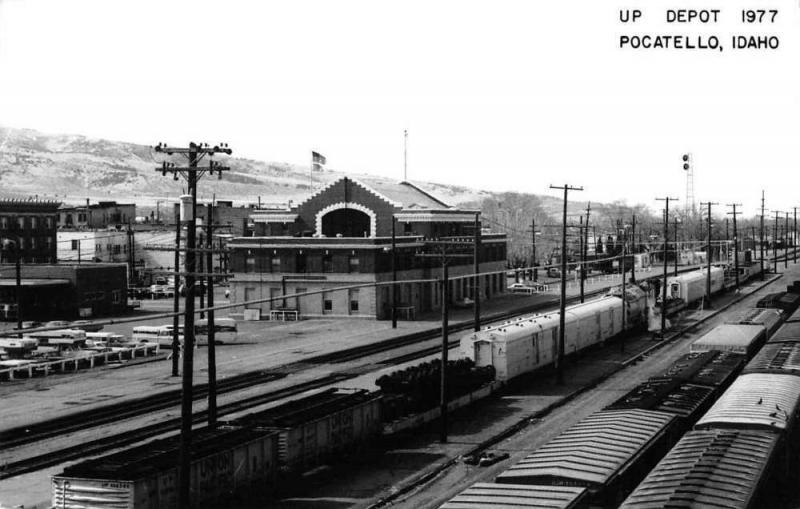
point(353, 263)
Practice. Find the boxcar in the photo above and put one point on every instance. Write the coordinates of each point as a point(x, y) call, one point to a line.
point(523, 345)
point(769, 318)
point(313, 428)
point(720, 371)
point(756, 401)
point(685, 401)
point(779, 358)
point(225, 464)
point(743, 339)
point(513, 496)
point(788, 333)
point(724, 469)
point(608, 453)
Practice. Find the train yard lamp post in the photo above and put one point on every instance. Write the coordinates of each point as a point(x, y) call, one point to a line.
point(13, 245)
point(666, 201)
point(563, 300)
point(194, 153)
point(445, 255)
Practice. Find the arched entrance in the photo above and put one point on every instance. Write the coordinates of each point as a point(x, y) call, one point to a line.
point(346, 222)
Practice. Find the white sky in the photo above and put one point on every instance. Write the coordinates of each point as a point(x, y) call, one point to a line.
point(499, 95)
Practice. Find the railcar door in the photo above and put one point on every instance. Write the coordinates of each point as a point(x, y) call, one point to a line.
point(483, 353)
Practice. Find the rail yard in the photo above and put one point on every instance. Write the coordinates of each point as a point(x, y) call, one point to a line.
point(122, 406)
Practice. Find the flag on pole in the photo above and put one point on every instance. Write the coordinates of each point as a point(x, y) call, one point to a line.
point(317, 161)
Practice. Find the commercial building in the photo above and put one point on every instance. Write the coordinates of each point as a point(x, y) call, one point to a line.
point(100, 215)
point(31, 225)
point(84, 246)
point(64, 291)
point(342, 235)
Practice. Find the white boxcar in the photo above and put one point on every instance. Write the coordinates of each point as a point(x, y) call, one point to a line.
point(691, 286)
point(520, 346)
point(225, 464)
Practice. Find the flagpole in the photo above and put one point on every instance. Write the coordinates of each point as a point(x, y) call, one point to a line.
point(405, 155)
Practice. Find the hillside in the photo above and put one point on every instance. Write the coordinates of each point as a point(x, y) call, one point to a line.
point(72, 168)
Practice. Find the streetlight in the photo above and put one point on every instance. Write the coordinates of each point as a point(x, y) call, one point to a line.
point(8, 245)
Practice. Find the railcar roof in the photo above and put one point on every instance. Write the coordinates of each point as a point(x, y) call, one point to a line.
point(593, 451)
point(513, 496)
point(719, 468)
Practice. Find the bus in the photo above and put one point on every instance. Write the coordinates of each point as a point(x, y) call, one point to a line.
point(225, 331)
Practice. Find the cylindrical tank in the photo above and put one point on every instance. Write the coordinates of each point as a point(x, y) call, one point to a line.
point(186, 207)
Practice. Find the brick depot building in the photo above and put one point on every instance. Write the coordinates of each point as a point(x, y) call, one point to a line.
point(342, 235)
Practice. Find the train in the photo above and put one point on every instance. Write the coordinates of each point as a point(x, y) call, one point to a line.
point(723, 395)
point(244, 457)
point(523, 345)
point(751, 432)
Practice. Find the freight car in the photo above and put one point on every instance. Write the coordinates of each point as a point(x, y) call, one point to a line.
point(716, 468)
point(528, 343)
point(738, 338)
point(604, 453)
point(224, 464)
point(321, 425)
point(691, 286)
point(511, 496)
point(770, 319)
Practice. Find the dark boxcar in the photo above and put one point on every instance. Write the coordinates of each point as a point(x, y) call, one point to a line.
point(779, 358)
point(724, 469)
point(226, 465)
point(316, 427)
point(608, 453)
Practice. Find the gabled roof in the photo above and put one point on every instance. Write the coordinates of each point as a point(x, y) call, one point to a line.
point(404, 195)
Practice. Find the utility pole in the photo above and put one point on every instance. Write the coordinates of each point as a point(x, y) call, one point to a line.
point(176, 297)
point(445, 256)
point(200, 269)
point(708, 254)
point(727, 242)
point(586, 245)
point(212, 346)
point(735, 242)
point(786, 243)
point(476, 280)
point(624, 295)
point(775, 244)
point(676, 248)
point(633, 239)
point(533, 249)
point(794, 237)
point(761, 241)
point(664, 285)
point(583, 257)
point(131, 259)
point(394, 274)
point(192, 173)
point(563, 300)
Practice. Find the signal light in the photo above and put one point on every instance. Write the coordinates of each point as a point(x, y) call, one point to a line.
point(686, 161)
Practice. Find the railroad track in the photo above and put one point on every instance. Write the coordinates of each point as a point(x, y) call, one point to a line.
point(120, 411)
point(128, 409)
point(117, 441)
